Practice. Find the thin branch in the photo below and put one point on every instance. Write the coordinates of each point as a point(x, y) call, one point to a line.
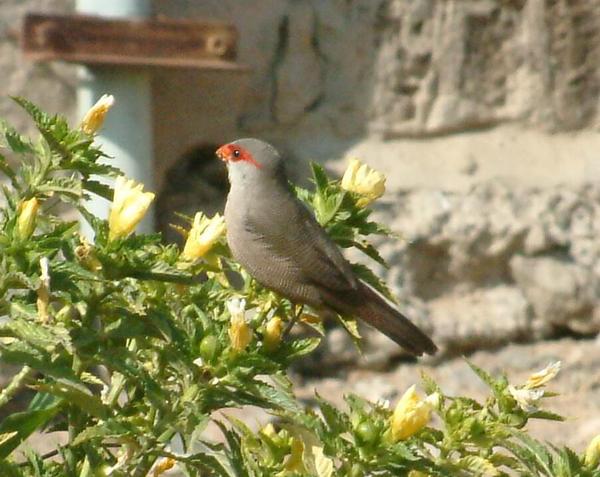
point(15, 385)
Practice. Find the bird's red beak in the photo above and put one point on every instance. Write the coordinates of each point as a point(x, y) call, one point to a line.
point(223, 153)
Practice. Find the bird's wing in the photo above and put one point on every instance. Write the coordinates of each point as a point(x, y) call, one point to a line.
point(297, 236)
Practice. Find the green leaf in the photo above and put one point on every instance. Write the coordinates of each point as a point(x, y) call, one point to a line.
point(76, 393)
point(8, 171)
point(98, 188)
point(301, 347)
point(365, 274)
point(25, 423)
point(109, 429)
point(337, 421)
point(67, 186)
point(320, 177)
point(479, 466)
point(18, 143)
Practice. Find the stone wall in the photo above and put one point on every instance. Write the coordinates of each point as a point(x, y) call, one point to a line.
point(50, 85)
point(452, 65)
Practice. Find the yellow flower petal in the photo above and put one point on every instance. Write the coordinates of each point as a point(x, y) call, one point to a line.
point(164, 464)
point(94, 118)
point(273, 331)
point(240, 333)
point(203, 235)
point(295, 462)
point(592, 453)
point(27, 218)
point(323, 464)
point(540, 378)
point(129, 206)
point(364, 181)
point(411, 414)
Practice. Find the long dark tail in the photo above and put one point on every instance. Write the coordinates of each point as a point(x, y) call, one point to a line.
point(373, 309)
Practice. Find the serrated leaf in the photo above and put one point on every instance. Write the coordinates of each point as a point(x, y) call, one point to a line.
point(108, 429)
point(351, 327)
point(18, 143)
point(320, 177)
point(337, 421)
point(69, 186)
point(302, 347)
point(365, 274)
point(8, 171)
point(550, 416)
point(39, 335)
point(98, 188)
point(479, 466)
point(78, 394)
point(370, 252)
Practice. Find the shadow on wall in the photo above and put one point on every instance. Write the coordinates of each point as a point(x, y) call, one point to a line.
point(197, 182)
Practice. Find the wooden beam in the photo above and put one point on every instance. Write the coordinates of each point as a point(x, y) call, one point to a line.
point(157, 42)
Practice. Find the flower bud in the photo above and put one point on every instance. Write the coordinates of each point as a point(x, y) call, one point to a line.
point(273, 330)
point(27, 218)
point(411, 414)
point(94, 118)
point(240, 333)
point(203, 235)
point(592, 453)
point(129, 206)
point(364, 181)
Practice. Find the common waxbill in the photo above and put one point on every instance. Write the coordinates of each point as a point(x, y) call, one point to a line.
point(279, 242)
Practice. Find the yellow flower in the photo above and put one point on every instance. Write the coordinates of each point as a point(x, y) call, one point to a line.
point(164, 464)
point(129, 206)
point(592, 453)
point(540, 378)
point(240, 333)
point(94, 118)
point(203, 235)
point(295, 462)
point(364, 181)
point(411, 414)
point(27, 218)
point(273, 332)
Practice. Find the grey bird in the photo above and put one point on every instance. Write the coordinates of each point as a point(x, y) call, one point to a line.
point(280, 243)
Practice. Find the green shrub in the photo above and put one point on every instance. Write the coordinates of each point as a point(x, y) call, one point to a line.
point(129, 343)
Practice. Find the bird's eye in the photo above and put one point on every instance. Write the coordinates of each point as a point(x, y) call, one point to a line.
point(236, 153)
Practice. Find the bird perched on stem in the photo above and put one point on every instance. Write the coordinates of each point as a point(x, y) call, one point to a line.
point(280, 243)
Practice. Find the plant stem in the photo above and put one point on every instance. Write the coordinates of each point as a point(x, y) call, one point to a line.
point(15, 385)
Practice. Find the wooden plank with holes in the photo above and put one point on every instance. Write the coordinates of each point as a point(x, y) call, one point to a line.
point(132, 42)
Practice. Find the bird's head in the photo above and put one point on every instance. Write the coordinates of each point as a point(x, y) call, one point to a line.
point(250, 159)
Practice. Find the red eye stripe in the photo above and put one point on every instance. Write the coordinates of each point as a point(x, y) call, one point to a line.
point(235, 153)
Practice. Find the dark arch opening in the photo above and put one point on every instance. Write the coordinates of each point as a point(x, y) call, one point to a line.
point(196, 182)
